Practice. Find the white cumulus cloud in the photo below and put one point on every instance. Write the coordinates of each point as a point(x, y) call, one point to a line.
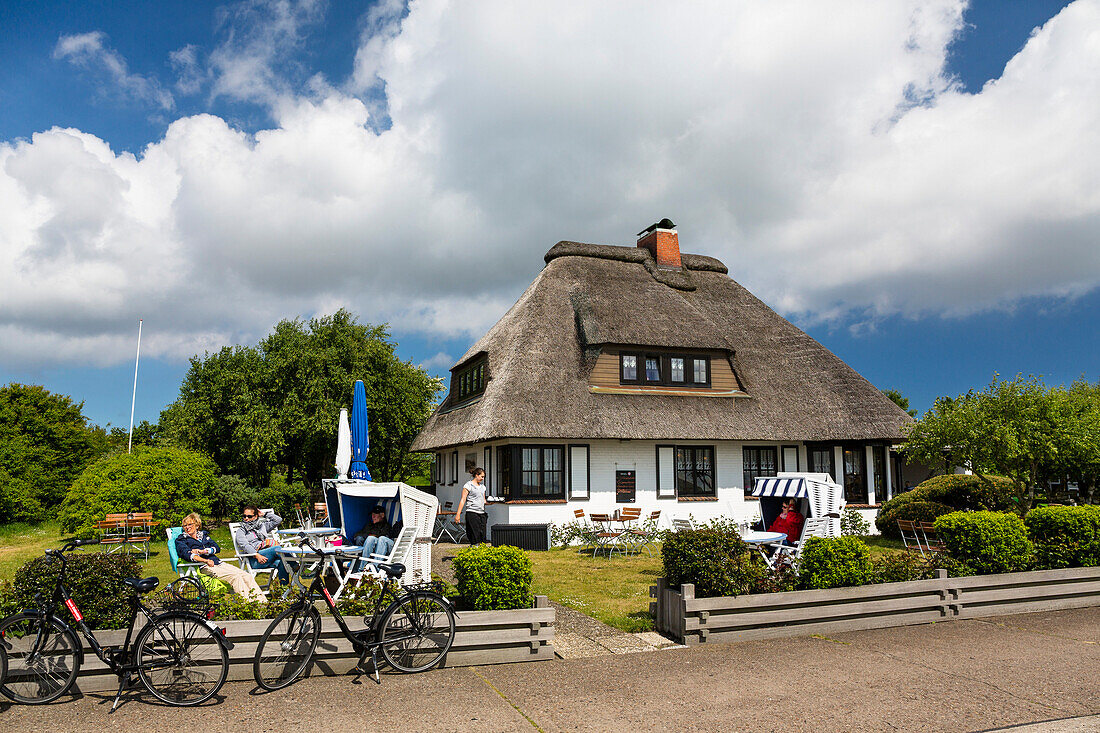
point(89, 51)
point(821, 151)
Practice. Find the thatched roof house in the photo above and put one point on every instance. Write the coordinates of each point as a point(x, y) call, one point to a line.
point(647, 344)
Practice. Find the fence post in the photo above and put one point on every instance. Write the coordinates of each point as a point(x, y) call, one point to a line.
point(656, 608)
point(687, 593)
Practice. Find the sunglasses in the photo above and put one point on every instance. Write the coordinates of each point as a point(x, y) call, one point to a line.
point(249, 516)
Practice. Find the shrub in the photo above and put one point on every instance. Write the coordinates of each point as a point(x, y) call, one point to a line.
point(1065, 536)
point(230, 493)
point(8, 602)
point(94, 580)
point(941, 495)
point(897, 567)
point(986, 542)
point(563, 535)
point(834, 562)
point(717, 562)
point(852, 524)
point(779, 578)
point(493, 577)
point(169, 482)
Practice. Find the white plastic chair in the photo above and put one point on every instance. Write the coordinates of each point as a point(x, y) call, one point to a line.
point(680, 525)
point(813, 527)
point(242, 559)
point(402, 549)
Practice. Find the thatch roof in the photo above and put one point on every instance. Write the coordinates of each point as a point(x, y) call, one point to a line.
point(589, 296)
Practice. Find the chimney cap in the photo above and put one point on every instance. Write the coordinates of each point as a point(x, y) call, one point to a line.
point(665, 223)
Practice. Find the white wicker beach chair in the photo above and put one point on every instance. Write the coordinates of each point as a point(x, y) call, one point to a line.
point(813, 527)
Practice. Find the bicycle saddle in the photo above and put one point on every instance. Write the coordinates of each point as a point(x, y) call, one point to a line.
point(142, 585)
point(394, 570)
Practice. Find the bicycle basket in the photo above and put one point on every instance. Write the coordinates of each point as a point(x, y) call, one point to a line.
point(186, 594)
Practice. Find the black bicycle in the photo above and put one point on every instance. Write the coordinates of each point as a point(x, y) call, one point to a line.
point(414, 631)
point(180, 656)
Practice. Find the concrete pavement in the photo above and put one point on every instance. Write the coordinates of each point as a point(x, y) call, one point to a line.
point(955, 676)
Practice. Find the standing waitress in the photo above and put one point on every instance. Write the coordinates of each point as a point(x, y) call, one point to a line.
point(473, 499)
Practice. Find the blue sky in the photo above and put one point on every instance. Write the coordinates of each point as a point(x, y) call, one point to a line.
point(221, 166)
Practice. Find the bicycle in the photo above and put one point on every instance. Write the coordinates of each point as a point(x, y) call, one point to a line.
point(414, 631)
point(180, 656)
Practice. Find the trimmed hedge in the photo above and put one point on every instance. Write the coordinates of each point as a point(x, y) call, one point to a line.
point(987, 542)
point(493, 578)
point(834, 562)
point(941, 495)
point(94, 580)
point(717, 562)
point(1065, 536)
point(169, 482)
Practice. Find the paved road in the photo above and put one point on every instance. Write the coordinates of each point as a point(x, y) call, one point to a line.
point(957, 676)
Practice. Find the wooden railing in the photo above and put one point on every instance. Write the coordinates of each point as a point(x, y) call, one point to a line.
point(692, 620)
point(481, 637)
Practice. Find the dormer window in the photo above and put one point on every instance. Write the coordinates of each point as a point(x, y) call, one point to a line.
point(469, 381)
point(628, 368)
point(702, 370)
point(653, 370)
point(668, 370)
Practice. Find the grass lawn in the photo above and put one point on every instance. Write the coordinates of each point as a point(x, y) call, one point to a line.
point(615, 591)
point(882, 545)
point(22, 542)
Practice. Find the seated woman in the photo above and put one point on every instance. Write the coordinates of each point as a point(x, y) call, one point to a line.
point(254, 539)
point(375, 536)
point(789, 522)
point(198, 546)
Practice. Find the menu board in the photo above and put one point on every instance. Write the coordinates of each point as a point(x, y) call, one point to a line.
point(625, 487)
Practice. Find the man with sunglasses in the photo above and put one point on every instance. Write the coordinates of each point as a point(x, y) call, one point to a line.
point(254, 539)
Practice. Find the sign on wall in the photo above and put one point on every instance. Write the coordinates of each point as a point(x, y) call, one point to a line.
point(625, 487)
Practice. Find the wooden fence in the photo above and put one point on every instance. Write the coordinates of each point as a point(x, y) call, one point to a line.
point(481, 637)
point(692, 620)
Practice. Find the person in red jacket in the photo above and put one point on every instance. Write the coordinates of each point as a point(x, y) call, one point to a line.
point(789, 522)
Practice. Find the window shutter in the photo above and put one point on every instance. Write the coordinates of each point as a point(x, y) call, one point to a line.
point(488, 469)
point(666, 472)
point(579, 477)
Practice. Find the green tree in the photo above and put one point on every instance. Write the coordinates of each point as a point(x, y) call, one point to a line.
point(44, 444)
point(900, 400)
point(169, 482)
point(1015, 428)
point(254, 408)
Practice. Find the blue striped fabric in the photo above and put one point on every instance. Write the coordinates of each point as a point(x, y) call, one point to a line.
point(793, 487)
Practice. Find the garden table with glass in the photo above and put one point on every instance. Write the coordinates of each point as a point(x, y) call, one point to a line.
point(295, 558)
point(760, 540)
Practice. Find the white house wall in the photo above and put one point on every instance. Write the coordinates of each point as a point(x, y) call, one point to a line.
point(605, 458)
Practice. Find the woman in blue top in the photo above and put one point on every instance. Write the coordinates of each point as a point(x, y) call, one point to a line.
point(197, 546)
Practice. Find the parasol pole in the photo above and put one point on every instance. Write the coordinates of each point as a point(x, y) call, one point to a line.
point(133, 399)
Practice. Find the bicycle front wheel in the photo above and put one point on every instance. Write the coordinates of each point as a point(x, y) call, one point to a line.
point(43, 658)
point(417, 631)
point(180, 660)
point(286, 648)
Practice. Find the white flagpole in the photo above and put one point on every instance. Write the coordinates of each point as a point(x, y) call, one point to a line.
point(130, 443)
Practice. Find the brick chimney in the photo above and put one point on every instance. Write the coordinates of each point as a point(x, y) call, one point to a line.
point(661, 240)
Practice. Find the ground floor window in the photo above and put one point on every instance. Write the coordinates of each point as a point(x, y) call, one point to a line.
point(878, 456)
point(821, 460)
point(855, 475)
point(758, 461)
point(694, 470)
point(531, 471)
